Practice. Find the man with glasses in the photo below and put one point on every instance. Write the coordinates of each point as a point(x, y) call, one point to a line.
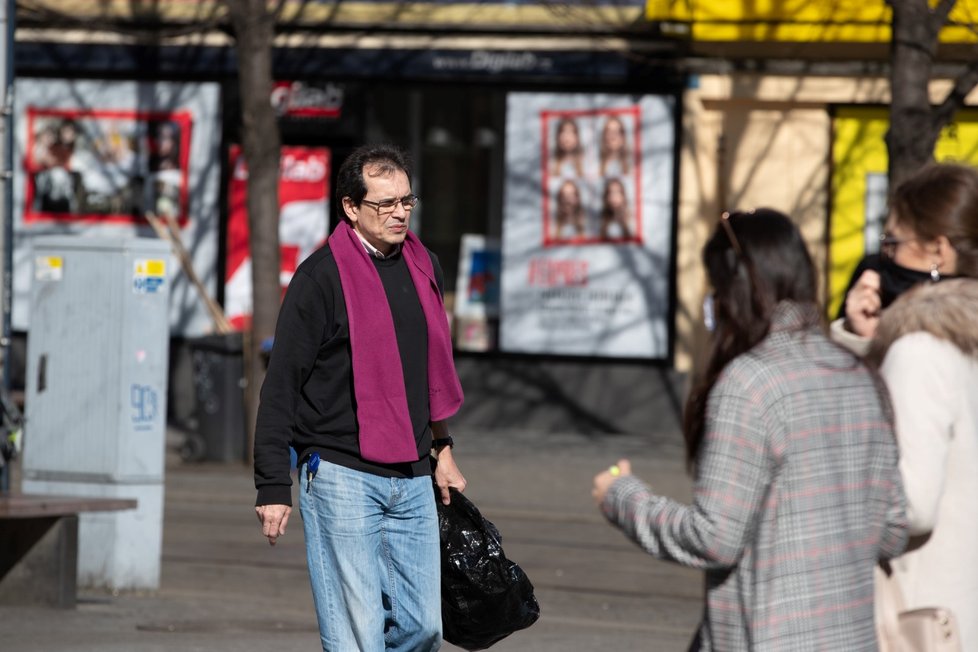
point(360, 382)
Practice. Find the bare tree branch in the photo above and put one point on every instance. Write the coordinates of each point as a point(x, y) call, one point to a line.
point(275, 13)
point(940, 13)
point(963, 85)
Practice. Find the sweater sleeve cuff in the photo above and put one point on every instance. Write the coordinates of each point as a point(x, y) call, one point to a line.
point(274, 494)
point(620, 494)
point(856, 344)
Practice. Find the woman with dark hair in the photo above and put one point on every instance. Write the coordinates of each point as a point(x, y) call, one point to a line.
point(789, 437)
point(926, 346)
point(933, 217)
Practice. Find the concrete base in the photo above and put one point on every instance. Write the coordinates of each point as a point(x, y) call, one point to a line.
point(39, 561)
point(116, 550)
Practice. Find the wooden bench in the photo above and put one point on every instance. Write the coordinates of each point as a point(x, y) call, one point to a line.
point(39, 546)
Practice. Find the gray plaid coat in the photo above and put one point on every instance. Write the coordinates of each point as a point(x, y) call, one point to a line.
point(797, 494)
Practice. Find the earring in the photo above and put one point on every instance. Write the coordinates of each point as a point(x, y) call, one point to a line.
point(935, 275)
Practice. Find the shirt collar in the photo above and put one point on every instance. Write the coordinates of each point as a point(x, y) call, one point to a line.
point(791, 316)
point(374, 251)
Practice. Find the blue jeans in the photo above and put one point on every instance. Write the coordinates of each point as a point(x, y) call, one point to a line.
point(374, 560)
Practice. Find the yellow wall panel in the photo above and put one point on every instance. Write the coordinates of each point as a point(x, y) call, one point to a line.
point(805, 21)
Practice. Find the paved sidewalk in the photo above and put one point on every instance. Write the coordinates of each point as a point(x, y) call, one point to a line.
point(224, 589)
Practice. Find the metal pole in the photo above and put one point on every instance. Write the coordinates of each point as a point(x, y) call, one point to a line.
point(7, 8)
point(7, 15)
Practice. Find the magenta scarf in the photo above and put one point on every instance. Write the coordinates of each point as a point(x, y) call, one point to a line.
point(386, 433)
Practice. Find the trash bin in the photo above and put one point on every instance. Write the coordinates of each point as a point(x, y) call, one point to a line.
point(219, 382)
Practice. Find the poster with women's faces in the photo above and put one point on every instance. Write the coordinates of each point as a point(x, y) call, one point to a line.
point(588, 223)
point(591, 166)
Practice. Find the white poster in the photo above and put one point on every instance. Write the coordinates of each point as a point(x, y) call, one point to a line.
point(94, 157)
point(477, 293)
point(477, 285)
point(587, 229)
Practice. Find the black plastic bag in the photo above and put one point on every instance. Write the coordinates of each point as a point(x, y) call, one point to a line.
point(485, 597)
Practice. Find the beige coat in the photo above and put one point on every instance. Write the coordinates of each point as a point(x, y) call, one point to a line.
point(928, 343)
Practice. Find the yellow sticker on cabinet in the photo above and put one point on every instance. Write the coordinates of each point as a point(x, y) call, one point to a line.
point(148, 276)
point(49, 268)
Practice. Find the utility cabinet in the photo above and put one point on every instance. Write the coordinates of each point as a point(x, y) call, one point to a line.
point(95, 400)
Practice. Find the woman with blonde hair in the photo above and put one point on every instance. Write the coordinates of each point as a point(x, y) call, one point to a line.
point(613, 151)
point(615, 214)
point(568, 156)
point(569, 217)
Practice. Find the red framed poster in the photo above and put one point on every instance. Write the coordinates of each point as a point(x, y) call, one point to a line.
point(105, 166)
point(591, 169)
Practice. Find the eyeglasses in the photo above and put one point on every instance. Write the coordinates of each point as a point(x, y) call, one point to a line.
point(890, 243)
point(725, 221)
point(388, 205)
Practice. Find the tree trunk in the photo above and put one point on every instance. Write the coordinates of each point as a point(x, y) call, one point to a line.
point(913, 128)
point(254, 29)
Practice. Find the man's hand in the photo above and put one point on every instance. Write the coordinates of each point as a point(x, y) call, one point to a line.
point(604, 480)
point(447, 474)
point(863, 304)
point(273, 520)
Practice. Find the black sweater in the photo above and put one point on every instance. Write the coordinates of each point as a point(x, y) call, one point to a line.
point(307, 399)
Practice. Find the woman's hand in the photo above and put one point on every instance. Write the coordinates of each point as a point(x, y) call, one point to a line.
point(863, 305)
point(604, 480)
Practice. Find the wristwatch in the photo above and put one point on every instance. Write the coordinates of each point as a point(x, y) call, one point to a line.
point(441, 442)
